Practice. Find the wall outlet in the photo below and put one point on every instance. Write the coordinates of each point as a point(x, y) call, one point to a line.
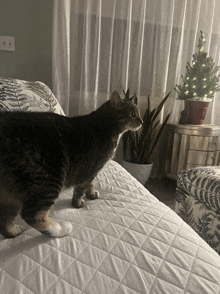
point(7, 43)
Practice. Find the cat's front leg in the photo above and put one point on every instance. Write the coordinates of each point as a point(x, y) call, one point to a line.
point(91, 193)
point(80, 191)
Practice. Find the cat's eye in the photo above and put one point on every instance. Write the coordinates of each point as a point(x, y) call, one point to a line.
point(132, 114)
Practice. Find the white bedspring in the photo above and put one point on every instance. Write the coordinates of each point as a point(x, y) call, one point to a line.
point(124, 242)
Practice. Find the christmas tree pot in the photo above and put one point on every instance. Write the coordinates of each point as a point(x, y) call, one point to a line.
point(196, 110)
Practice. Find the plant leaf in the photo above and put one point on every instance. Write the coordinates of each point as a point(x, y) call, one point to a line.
point(159, 134)
point(160, 106)
point(127, 95)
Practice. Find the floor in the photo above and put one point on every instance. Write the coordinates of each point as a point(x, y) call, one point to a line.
point(164, 190)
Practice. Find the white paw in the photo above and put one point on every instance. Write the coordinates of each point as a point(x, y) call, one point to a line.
point(13, 231)
point(58, 230)
point(79, 203)
point(93, 196)
point(17, 230)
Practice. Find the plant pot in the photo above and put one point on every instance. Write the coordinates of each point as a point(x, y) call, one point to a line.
point(140, 171)
point(196, 111)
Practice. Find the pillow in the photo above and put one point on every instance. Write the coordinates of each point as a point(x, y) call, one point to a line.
point(19, 95)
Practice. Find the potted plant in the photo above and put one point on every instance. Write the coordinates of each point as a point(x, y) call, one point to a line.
point(198, 86)
point(138, 146)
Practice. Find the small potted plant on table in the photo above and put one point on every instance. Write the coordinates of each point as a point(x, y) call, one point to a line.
point(198, 86)
point(138, 146)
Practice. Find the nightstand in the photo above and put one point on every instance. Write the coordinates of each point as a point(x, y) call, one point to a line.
point(191, 146)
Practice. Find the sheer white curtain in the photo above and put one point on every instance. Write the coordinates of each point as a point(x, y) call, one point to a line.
point(144, 45)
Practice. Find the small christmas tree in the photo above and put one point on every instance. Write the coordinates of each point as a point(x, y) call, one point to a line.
point(200, 79)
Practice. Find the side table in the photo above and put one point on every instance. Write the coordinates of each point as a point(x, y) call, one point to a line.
point(191, 146)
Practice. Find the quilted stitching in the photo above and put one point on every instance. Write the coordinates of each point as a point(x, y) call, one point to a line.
point(124, 242)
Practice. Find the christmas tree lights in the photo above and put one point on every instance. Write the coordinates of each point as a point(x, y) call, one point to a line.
point(201, 79)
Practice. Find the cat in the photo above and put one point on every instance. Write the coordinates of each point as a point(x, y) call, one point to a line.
point(41, 153)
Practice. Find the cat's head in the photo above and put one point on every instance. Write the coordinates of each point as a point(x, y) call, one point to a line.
point(127, 113)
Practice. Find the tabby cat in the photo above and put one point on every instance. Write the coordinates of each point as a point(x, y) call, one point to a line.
point(40, 153)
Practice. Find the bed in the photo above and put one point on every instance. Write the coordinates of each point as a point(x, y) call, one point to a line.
point(126, 241)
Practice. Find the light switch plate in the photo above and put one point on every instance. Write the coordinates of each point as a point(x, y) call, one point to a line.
point(7, 43)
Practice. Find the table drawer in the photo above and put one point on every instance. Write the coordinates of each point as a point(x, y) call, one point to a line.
point(203, 143)
point(191, 146)
point(200, 157)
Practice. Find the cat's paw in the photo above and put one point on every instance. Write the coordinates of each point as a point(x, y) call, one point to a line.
point(78, 203)
point(12, 231)
point(93, 196)
point(17, 230)
point(58, 230)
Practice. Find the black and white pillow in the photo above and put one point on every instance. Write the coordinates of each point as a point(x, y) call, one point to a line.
point(20, 95)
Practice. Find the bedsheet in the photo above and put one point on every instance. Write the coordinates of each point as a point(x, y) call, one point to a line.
point(124, 242)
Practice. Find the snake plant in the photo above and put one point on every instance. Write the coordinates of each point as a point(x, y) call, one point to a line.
point(138, 146)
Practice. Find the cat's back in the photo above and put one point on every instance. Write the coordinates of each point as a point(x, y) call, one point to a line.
point(27, 123)
point(25, 136)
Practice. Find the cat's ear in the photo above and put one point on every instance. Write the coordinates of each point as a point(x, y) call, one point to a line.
point(116, 100)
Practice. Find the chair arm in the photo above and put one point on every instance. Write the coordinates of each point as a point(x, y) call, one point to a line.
point(202, 183)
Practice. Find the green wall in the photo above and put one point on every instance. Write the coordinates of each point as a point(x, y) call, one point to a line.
point(30, 22)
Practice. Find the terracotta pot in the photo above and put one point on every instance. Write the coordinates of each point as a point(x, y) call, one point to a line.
point(197, 111)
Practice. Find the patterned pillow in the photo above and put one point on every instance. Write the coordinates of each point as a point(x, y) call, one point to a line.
point(19, 95)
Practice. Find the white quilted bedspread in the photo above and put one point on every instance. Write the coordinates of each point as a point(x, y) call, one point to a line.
point(124, 242)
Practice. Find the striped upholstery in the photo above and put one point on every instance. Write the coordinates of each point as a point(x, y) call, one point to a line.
point(198, 202)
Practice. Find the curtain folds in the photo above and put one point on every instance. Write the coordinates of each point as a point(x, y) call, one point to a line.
point(143, 45)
